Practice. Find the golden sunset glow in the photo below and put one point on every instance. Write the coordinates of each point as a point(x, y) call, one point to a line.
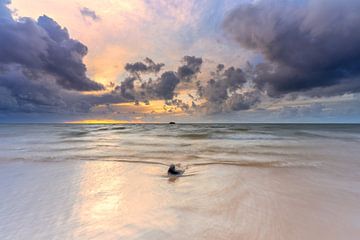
point(107, 66)
point(156, 106)
point(103, 121)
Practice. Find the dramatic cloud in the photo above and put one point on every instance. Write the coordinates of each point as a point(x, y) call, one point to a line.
point(21, 92)
point(221, 93)
point(43, 47)
point(41, 68)
point(162, 87)
point(190, 69)
point(223, 83)
point(86, 12)
point(148, 66)
point(243, 101)
point(127, 88)
point(308, 45)
point(165, 86)
point(224, 92)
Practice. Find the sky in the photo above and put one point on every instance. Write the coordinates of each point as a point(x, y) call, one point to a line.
point(184, 61)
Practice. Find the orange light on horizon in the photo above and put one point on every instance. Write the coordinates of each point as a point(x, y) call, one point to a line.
point(103, 121)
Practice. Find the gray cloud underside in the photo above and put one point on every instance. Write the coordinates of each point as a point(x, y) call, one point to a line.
point(162, 87)
point(191, 67)
point(41, 67)
point(309, 45)
point(42, 46)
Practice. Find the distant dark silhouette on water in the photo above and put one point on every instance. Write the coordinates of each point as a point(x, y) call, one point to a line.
point(171, 122)
point(173, 171)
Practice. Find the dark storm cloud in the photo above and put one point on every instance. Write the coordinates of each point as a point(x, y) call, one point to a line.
point(191, 67)
point(65, 58)
point(147, 66)
point(165, 86)
point(127, 88)
point(86, 12)
point(308, 45)
point(222, 91)
point(43, 47)
point(21, 92)
point(41, 68)
point(242, 101)
point(162, 87)
point(223, 82)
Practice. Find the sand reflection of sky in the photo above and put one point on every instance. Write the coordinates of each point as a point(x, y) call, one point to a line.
point(114, 202)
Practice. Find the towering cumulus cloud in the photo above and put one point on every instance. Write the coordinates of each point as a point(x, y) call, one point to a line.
point(43, 47)
point(310, 46)
point(39, 64)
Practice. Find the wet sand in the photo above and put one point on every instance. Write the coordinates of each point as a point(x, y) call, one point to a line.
point(107, 200)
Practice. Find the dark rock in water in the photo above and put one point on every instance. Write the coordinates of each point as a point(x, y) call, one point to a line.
point(171, 122)
point(173, 171)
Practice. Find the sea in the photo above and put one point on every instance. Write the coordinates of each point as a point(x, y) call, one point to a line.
point(240, 181)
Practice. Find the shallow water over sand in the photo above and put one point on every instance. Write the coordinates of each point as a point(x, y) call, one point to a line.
point(241, 181)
